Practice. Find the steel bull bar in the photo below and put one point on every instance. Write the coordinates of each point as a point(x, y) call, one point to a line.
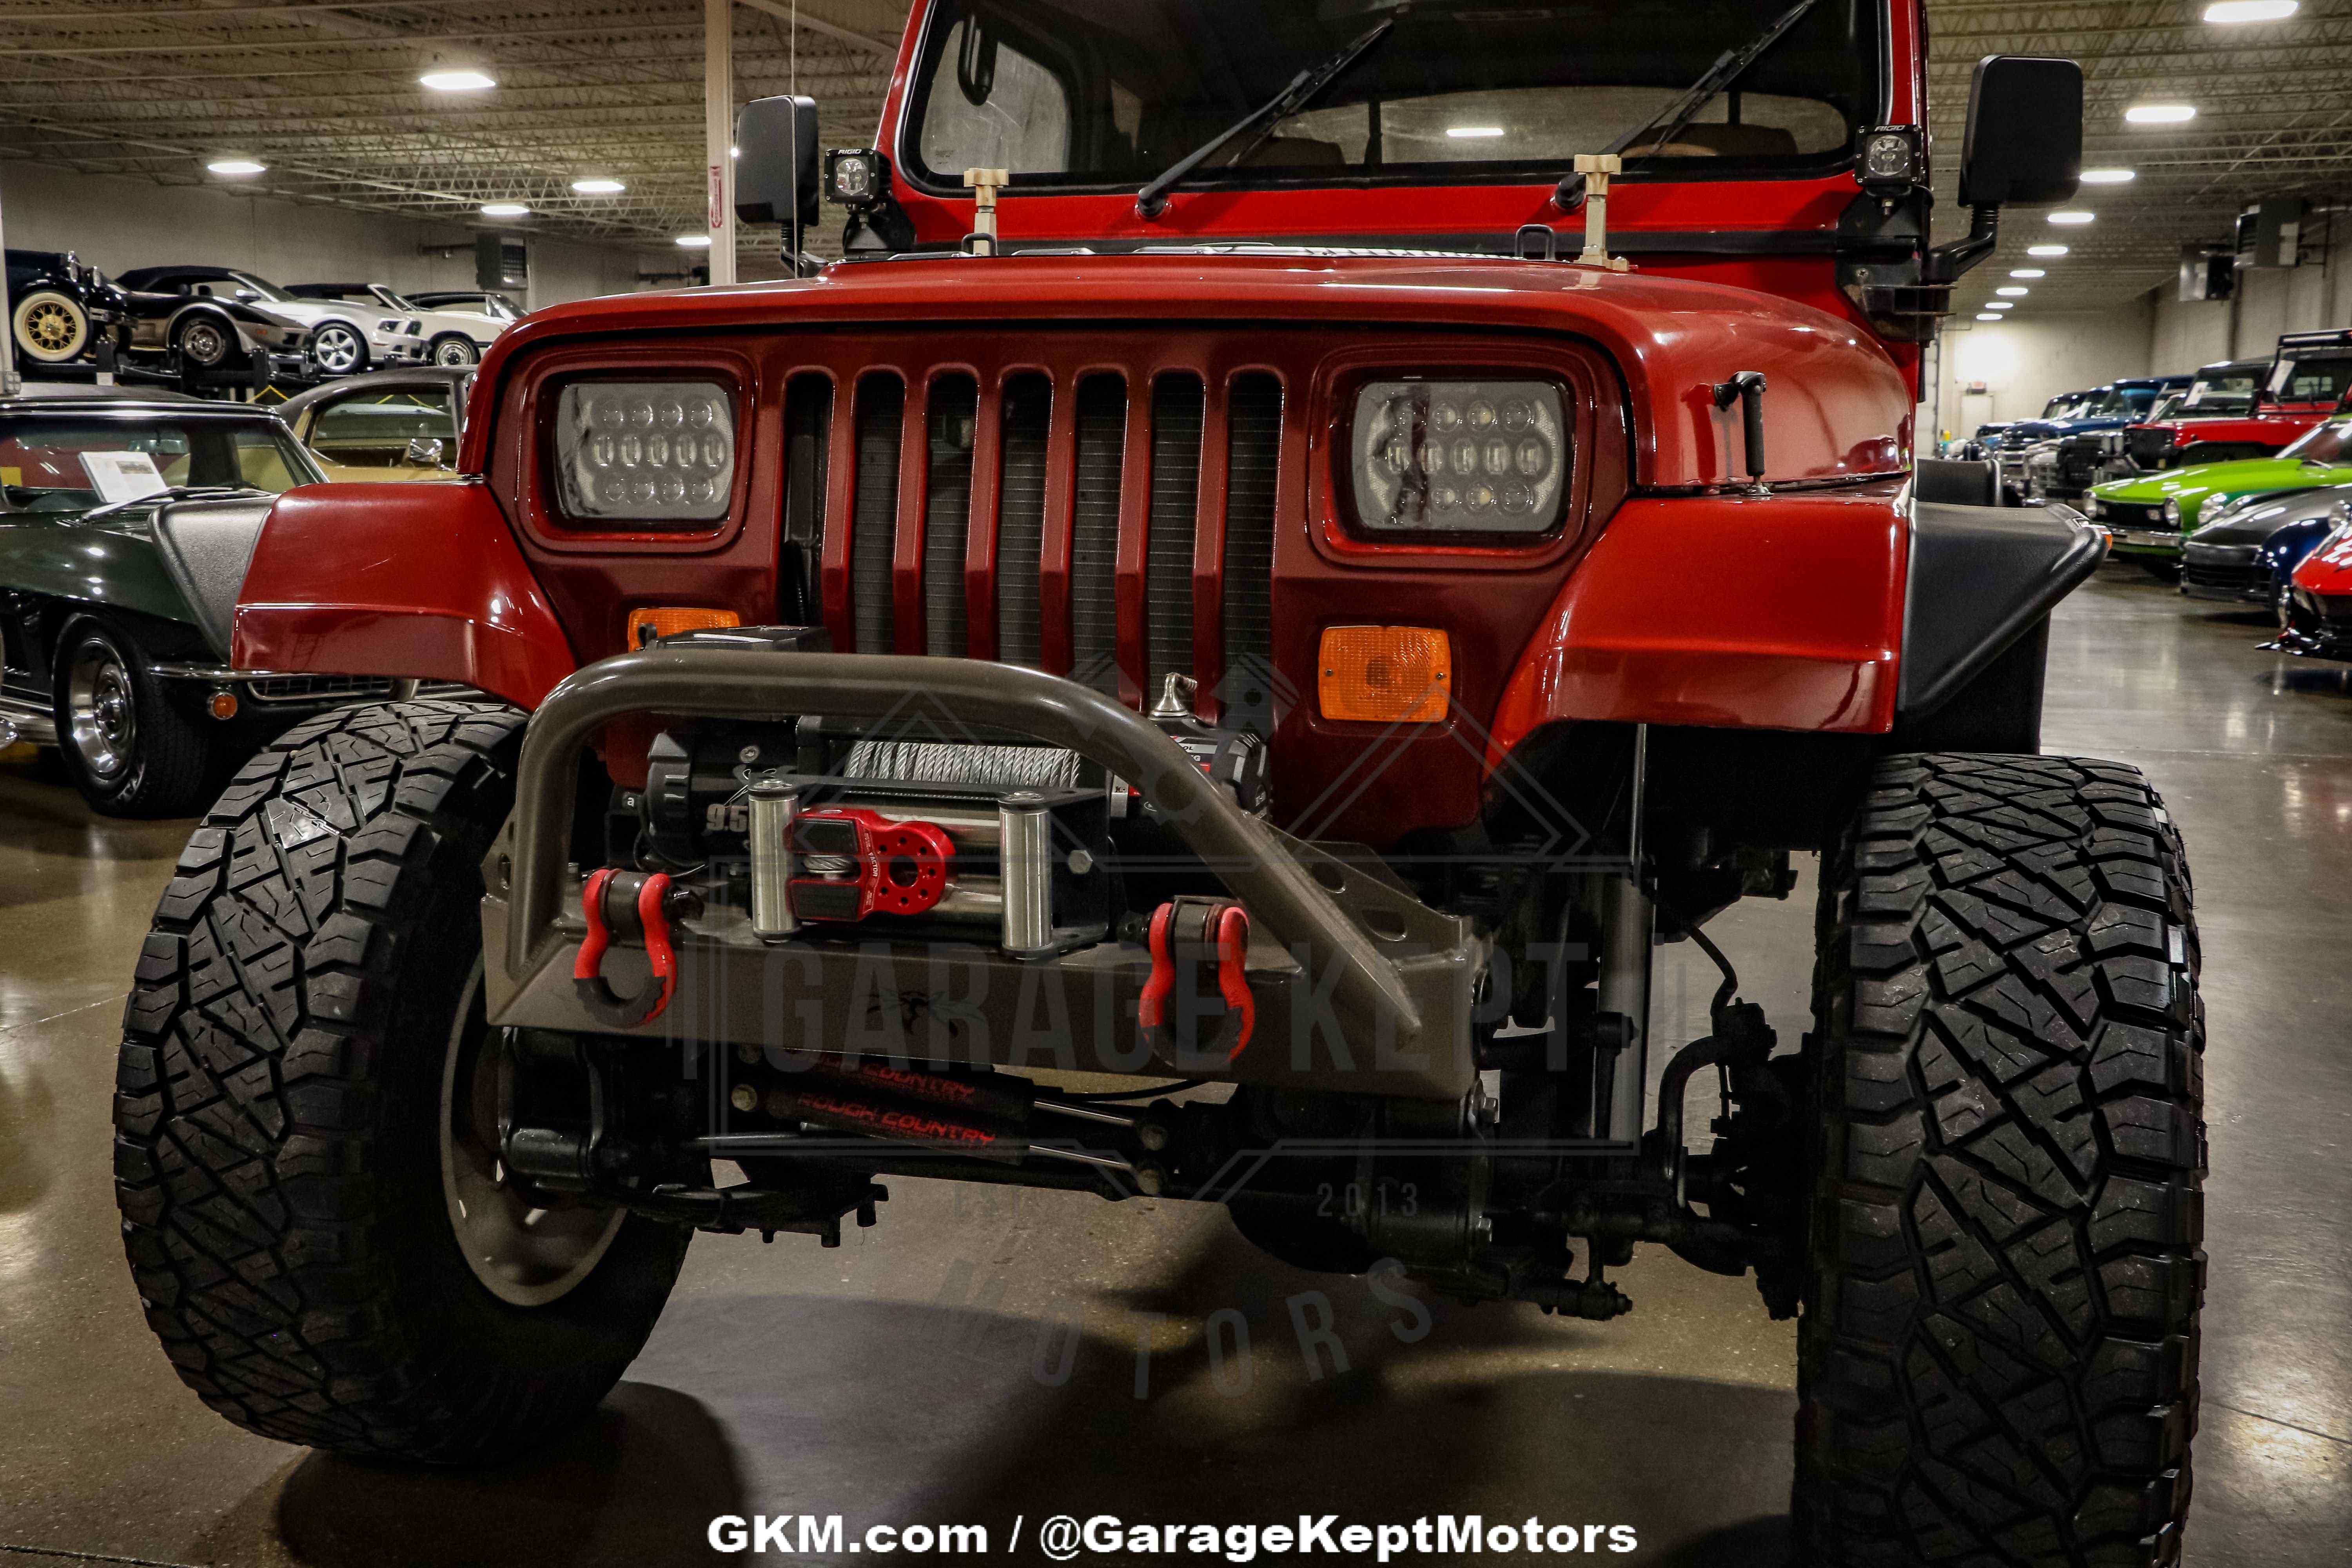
point(1358, 986)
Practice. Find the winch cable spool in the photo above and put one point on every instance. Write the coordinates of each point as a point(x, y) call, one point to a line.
point(928, 761)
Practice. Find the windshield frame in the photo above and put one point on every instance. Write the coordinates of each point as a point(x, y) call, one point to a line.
point(928, 55)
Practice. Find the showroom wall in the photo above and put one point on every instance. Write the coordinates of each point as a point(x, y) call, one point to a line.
point(118, 224)
point(2023, 364)
point(2270, 301)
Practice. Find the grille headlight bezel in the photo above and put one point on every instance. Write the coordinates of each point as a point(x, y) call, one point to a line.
point(1475, 459)
point(647, 454)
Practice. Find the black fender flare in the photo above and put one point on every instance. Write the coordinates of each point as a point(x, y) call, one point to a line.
point(1981, 579)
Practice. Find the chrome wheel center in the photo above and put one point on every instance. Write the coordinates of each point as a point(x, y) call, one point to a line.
point(527, 1248)
point(102, 710)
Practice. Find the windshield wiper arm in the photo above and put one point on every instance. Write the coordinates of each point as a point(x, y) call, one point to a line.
point(1152, 200)
point(1671, 122)
point(168, 493)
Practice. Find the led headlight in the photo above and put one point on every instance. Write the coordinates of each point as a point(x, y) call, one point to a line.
point(646, 451)
point(1460, 457)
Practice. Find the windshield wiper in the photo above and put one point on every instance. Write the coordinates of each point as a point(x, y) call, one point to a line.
point(168, 493)
point(1673, 119)
point(1152, 200)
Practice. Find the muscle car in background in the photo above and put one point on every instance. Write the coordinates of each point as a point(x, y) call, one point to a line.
point(126, 523)
point(387, 424)
point(2147, 518)
point(454, 338)
point(331, 337)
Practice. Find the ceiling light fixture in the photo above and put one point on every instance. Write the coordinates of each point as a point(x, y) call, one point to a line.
point(2014, 291)
point(1474, 132)
point(599, 187)
point(695, 241)
point(2027, 272)
point(456, 81)
point(2109, 176)
point(2045, 250)
point(2072, 218)
point(237, 166)
point(1987, 316)
point(2001, 305)
point(2161, 114)
point(505, 209)
point(2224, 12)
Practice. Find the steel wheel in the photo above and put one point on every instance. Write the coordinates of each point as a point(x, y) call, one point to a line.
point(524, 1252)
point(338, 349)
point(455, 352)
point(205, 344)
point(50, 327)
point(101, 709)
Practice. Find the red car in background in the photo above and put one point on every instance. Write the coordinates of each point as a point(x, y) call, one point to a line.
point(2317, 615)
point(2309, 378)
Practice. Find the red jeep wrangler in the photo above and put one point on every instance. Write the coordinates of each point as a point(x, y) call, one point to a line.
point(1373, 517)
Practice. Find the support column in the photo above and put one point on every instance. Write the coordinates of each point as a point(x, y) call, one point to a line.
point(8, 385)
point(719, 133)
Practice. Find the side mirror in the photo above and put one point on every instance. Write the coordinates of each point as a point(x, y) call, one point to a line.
point(776, 162)
point(2025, 141)
point(425, 452)
point(248, 296)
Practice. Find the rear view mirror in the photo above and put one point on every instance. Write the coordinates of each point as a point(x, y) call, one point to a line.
point(2025, 141)
point(776, 162)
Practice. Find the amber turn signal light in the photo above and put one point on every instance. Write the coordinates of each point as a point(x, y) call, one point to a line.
point(650, 627)
point(1385, 674)
point(223, 705)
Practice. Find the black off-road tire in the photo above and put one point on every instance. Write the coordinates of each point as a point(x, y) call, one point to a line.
point(278, 1142)
point(1998, 1353)
point(168, 762)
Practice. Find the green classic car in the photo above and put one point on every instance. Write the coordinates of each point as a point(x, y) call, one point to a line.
point(2147, 518)
point(125, 526)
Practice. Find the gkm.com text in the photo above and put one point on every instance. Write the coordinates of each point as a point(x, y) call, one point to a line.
point(1064, 1537)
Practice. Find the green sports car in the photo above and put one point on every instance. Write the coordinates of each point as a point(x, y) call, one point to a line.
point(2146, 517)
point(125, 526)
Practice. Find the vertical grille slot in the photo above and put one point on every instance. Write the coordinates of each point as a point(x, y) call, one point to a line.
point(1253, 457)
point(954, 421)
point(1094, 539)
point(1021, 517)
point(1179, 406)
point(808, 451)
point(874, 523)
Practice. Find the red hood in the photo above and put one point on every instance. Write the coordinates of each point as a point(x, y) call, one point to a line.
point(1836, 407)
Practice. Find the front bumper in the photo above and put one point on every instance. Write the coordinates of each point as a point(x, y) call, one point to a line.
point(283, 694)
point(1358, 987)
point(2138, 540)
point(2234, 573)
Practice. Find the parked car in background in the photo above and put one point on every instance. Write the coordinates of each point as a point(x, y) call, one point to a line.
point(2147, 518)
point(2248, 550)
point(2250, 408)
point(2315, 618)
point(387, 424)
point(125, 526)
point(59, 311)
point(2063, 456)
point(484, 302)
point(337, 337)
point(451, 337)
